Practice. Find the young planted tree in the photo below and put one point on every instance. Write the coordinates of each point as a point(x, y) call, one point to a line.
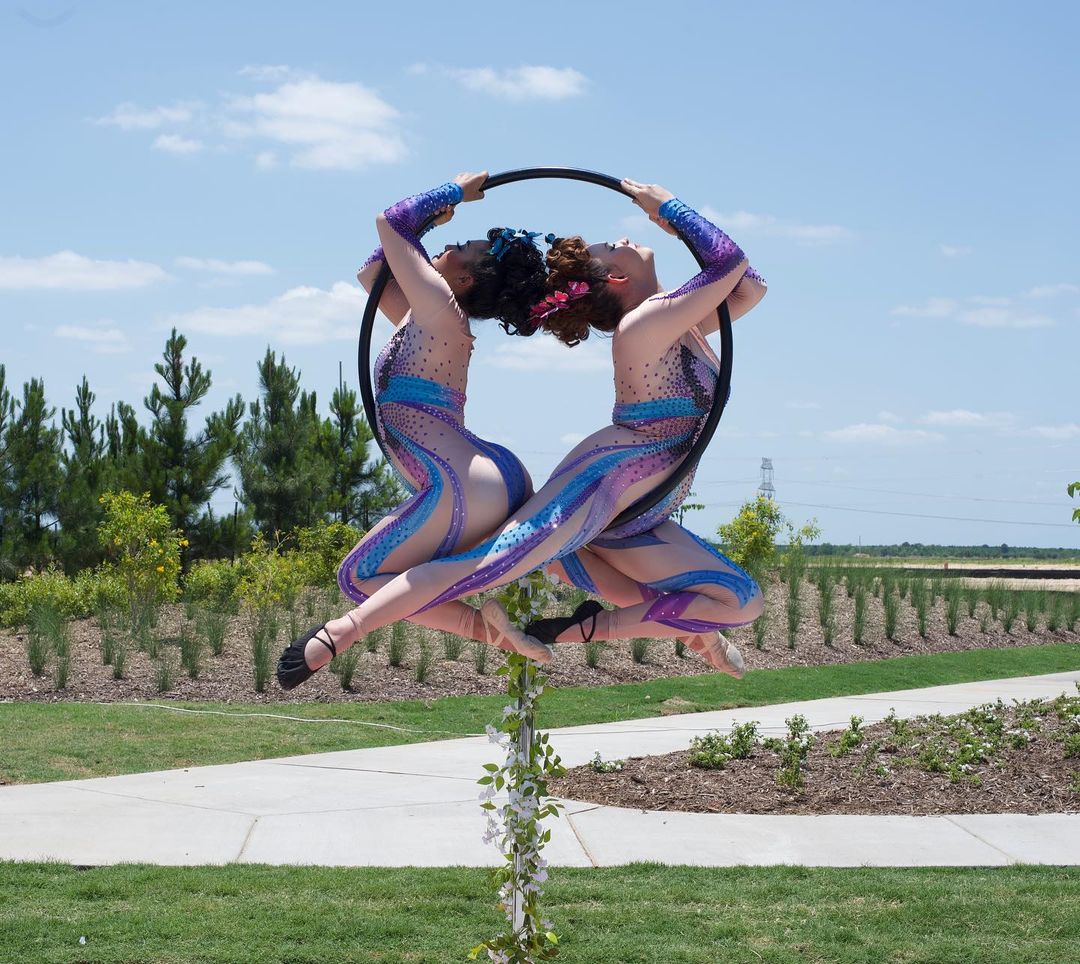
point(361, 490)
point(8, 569)
point(283, 474)
point(32, 446)
point(83, 470)
point(181, 472)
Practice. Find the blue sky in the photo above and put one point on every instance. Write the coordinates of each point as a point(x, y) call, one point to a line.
point(902, 175)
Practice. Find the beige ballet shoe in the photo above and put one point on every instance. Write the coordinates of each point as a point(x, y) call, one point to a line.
point(724, 656)
point(496, 617)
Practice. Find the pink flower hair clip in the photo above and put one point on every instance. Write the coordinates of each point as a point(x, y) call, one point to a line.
point(556, 301)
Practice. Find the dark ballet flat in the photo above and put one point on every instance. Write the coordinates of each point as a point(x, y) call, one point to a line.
point(292, 668)
point(548, 630)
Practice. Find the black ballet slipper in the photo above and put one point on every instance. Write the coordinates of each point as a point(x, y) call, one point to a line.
point(549, 630)
point(292, 668)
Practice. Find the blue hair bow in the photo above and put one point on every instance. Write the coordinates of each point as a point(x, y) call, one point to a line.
point(507, 236)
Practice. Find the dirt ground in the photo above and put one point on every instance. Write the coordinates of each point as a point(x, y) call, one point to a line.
point(1037, 778)
point(230, 678)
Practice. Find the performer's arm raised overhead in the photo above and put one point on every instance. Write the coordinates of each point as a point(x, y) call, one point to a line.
point(665, 317)
point(426, 289)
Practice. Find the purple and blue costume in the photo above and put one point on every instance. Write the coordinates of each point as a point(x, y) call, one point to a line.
point(462, 487)
point(665, 377)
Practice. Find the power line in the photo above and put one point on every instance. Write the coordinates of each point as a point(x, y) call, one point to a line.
point(946, 518)
point(921, 495)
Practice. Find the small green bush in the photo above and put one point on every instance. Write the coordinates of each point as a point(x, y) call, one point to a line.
point(213, 581)
point(600, 765)
point(344, 666)
point(399, 641)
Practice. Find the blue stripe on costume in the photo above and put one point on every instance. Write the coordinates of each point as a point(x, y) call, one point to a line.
point(577, 573)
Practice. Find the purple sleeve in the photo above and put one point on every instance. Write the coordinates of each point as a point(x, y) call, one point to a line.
point(720, 254)
point(376, 255)
point(407, 217)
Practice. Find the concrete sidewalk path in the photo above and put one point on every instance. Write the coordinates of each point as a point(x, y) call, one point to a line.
point(417, 805)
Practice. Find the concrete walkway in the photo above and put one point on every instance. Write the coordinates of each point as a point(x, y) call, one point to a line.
point(417, 805)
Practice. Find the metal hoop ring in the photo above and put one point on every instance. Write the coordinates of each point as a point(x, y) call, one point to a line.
point(723, 385)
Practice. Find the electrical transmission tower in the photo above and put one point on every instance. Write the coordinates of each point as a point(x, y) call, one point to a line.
point(766, 488)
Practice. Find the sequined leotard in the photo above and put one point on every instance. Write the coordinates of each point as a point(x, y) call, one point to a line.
point(665, 375)
point(462, 486)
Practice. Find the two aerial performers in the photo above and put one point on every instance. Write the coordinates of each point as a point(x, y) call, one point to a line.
point(473, 522)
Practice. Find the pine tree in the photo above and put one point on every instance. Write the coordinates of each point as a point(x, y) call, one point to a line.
point(33, 447)
point(83, 468)
point(122, 450)
point(179, 472)
point(7, 416)
point(284, 477)
point(345, 441)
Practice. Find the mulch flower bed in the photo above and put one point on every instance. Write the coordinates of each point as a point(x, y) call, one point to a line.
point(230, 678)
point(1023, 758)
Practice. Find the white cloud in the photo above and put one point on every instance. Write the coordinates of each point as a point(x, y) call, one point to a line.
point(215, 266)
point(175, 144)
point(327, 125)
point(269, 72)
point(570, 439)
point(933, 308)
point(882, 434)
point(131, 117)
point(104, 341)
point(1049, 291)
point(534, 82)
point(768, 225)
point(300, 316)
point(546, 353)
point(1009, 317)
point(321, 124)
point(979, 311)
point(964, 418)
point(890, 417)
point(73, 272)
point(954, 250)
point(1057, 432)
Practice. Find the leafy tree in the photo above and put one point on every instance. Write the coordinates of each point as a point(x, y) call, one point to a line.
point(183, 473)
point(283, 474)
point(83, 466)
point(750, 538)
point(32, 447)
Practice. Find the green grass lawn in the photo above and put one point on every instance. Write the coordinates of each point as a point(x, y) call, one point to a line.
point(624, 915)
point(57, 741)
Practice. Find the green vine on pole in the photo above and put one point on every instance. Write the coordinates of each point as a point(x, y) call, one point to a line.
point(514, 825)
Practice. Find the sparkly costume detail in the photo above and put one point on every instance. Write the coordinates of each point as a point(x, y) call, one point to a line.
point(420, 380)
point(719, 252)
point(664, 393)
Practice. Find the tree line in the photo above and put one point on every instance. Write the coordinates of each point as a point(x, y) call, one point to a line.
point(294, 468)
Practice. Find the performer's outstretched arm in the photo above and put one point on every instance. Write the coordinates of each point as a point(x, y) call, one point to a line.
point(399, 230)
point(667, 316)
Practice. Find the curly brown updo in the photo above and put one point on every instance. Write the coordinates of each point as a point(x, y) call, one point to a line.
point(568, 260)
point(506, 288)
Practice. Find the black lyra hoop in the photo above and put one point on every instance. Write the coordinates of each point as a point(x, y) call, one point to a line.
point(723, 385)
